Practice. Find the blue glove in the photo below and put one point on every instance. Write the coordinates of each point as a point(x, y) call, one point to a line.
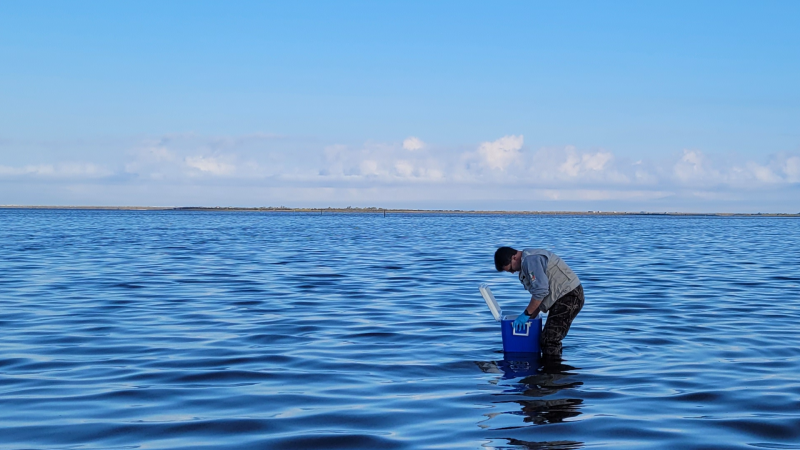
point(519, 324)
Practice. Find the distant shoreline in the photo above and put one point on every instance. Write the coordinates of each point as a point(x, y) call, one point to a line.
point(376, 210)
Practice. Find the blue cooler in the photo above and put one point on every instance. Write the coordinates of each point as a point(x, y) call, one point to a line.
point(521, 342)
point(514, 343)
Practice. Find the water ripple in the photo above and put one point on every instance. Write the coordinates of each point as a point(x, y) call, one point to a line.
point(164, 329)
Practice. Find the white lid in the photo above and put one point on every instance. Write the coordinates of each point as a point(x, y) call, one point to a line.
point(497, 312)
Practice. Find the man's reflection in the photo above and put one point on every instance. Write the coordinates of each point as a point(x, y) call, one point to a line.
point(530, 381)
point(551, 445)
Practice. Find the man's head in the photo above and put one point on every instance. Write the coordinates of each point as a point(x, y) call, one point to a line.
point(507, 259)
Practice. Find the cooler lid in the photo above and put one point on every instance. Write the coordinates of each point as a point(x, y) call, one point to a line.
point(491, 302)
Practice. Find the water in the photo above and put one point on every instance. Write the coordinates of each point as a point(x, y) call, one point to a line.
point(145, 329)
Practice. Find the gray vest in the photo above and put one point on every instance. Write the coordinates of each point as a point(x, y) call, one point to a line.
point(561, 279)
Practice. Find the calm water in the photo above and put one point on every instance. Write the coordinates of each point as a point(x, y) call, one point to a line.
point(190, 330)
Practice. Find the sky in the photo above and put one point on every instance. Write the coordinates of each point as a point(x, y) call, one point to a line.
point(555, 106)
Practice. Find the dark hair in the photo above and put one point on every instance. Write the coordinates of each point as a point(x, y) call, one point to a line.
point(502, 257)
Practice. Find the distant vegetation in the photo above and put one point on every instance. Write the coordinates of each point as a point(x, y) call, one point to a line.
point(379, 210)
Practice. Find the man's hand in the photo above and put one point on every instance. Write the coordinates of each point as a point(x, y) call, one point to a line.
point(519, 323)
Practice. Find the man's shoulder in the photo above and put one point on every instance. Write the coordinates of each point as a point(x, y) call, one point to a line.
point(535, 252)
point(534, 259)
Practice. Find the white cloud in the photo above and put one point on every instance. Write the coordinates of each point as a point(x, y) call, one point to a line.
point(763, 174)
point(791, 168)
point(693, 168)
point(576, 165)
point(404, 168)
point(171, 158)
point(59, 170)
point(378, 162)
point(411, 143)
point(550, 166)
point(501, 153)
point(26, 170)
point(369, 167)
point(82, 170)
point(209, 164)
point(158, 154)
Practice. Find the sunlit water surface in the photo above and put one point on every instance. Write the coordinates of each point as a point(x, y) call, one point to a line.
point(156, 330)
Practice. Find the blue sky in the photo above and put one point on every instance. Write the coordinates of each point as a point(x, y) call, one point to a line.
point(656, 106)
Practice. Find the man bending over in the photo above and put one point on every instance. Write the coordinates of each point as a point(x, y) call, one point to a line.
point(554, 287)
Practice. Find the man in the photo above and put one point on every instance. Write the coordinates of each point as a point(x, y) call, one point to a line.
point(554, 287)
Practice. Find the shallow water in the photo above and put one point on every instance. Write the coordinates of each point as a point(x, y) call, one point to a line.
point(153, 329)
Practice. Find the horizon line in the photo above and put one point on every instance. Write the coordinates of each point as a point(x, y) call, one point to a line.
point(379, 210)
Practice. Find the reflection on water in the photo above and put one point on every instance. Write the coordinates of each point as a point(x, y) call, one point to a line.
point(543, 392)
point(519, 444)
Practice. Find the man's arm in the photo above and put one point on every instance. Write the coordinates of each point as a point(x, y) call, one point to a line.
point(534, 268)
point(533, 307)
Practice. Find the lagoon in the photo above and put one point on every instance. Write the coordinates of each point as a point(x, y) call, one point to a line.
point(241, 330)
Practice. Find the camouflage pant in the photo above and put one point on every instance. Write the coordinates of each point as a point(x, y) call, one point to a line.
point(559, 319)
